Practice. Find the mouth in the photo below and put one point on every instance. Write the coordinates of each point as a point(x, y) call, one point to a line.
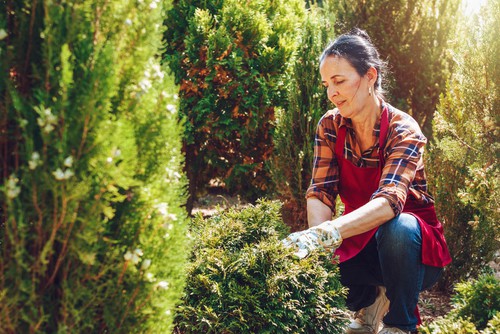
point(340, 103)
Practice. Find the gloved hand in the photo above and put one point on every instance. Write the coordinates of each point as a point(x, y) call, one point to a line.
point(325, 235)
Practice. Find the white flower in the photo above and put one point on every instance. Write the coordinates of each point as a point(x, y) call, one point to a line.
point(176, 96)
point(68, 173)
point(168, 312)
point(162, 285)
point(117, 153)
point(35, 160)
point(171, 108)
point(48, 128)
point(128, 22)
point(145, 84)
point(157, 71)
point(138, 252)
point(12, 189)
point(127, 256)
point(3, 34)
point(172, 216)
point(59, 174)
point(68, 162)
point(109, 160)
point(145, 264)
point(162, 208)
point(134, 257)
point(32, 165)
point(150, 277)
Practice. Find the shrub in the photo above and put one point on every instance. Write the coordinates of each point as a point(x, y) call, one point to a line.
point(296, 123)
point(463, 157)
point(478, 300)
point(230, 58)
point(476, 308)
point(243, 280)
point(91, 224)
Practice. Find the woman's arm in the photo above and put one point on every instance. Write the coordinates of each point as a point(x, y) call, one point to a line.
point(317, 212)
point(372, 214)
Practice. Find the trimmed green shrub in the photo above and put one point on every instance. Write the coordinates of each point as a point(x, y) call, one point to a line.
point(243, 280)
point(476, 309)
point(296, 123)
point(231, 60)
point(92, 233)
point(464, 172)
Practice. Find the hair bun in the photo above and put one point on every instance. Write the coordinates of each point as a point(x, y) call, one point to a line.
point(361, 33)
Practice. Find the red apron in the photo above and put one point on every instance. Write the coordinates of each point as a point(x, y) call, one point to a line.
point(357, 185)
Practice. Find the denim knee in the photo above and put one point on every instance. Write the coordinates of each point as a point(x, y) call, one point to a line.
point(399, 236)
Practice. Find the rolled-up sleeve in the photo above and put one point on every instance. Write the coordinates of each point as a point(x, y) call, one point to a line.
point(404, 156)
point(325, 174)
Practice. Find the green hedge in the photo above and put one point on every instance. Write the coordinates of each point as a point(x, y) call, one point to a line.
point(231, 59)
point(242, 279)
point(463, 168)
point(92, 234)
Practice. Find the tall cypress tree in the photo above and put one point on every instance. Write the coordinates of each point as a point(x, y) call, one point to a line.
point(91, 227)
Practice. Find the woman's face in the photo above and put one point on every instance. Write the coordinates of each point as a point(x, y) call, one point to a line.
point(347, 90)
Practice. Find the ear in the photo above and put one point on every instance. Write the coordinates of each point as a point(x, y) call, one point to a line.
point(372, 75)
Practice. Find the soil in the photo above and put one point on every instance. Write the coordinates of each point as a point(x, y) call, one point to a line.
point(432, 303)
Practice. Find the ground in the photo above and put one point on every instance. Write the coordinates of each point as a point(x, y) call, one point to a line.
point(432, 304)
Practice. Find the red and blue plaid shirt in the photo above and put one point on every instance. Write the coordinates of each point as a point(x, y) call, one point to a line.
point(402, 173)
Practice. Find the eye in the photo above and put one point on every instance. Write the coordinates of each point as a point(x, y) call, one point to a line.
point(339, 82)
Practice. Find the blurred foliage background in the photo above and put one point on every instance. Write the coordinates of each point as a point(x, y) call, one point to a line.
point(117, 115)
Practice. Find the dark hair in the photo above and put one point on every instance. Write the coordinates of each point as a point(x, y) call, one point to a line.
point(357, 48)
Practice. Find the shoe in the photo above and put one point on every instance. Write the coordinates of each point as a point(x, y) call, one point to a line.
point(393, 330)
point(368, 319)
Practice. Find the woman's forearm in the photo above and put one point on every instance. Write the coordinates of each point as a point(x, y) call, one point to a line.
point(372, 214)
point(317, 212)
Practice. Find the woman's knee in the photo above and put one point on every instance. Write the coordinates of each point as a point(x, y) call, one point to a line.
point(402, 230)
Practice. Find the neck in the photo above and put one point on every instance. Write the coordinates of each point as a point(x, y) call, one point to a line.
point(365, 121)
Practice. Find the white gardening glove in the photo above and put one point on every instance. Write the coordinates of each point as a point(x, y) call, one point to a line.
point(326, 236)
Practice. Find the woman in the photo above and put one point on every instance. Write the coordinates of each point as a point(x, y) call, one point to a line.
point(389, 242)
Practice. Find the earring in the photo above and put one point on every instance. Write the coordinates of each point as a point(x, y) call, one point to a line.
point(370, 91)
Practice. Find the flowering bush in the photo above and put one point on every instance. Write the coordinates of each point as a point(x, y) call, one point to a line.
point(92, 235)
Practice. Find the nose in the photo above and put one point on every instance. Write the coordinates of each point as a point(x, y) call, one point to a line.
point(332, 92)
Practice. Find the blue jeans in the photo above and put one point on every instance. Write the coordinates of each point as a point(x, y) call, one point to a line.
point(392, 258)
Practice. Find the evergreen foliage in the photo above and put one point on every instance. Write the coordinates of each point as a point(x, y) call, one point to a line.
point(463, 158)
point(414, 36)
point(296, 123)
point(230, 59)
point(243, 280)
point(476, 309)
point(92, 236)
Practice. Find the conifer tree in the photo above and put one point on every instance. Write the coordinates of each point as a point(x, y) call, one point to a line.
point(230, 59)
point(92, 237)
point(463, 159)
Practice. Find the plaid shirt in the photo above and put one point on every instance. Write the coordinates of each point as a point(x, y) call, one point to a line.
point(402, 173)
